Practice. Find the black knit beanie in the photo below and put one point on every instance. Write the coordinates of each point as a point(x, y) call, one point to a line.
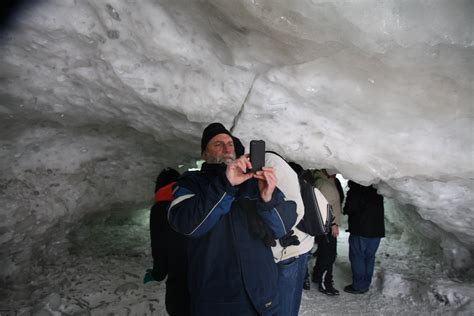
point(210, 131)
point(238, 147)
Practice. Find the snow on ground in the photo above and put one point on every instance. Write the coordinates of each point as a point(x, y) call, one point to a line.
point(102, 275)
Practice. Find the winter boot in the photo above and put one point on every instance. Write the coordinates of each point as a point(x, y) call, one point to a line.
point(327, 288)
point(352, 290)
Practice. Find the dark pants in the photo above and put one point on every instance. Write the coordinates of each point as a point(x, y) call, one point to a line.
point(362, 256)
point(325, 258)
point(177, 298)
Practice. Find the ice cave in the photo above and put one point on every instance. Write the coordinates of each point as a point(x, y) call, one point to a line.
point(96, 97)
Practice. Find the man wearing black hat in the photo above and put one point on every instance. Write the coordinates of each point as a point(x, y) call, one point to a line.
point(231, 270)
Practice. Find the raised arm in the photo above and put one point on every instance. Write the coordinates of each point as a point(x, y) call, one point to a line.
point(280, 215)
point(199, 203)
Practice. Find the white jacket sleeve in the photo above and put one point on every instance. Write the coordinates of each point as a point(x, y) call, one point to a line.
point(287, 182)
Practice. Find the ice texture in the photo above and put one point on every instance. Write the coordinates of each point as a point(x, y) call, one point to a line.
point(96, 97)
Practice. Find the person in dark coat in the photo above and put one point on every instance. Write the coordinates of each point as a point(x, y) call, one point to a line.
point(168, 248)
point(231, 271)
point(366, 227)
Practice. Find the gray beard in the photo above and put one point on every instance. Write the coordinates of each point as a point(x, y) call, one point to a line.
point(218, 160)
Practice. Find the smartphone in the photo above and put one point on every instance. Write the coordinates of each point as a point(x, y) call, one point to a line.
point(257, 155)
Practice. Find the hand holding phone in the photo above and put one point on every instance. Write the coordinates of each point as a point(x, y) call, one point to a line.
point(267, 182)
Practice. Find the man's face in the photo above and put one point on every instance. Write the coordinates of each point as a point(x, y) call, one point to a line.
point(220, 149)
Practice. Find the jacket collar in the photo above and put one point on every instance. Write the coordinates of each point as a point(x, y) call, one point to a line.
point(213, 167)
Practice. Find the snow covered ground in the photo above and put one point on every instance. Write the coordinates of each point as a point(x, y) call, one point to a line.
point(101, 270)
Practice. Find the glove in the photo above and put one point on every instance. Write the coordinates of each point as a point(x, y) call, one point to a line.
point(268, 239)
point(148, 277)
point(290, 239)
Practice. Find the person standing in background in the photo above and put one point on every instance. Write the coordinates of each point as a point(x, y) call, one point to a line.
point(366, 227)
point(291, 253)
point(327, 244)
point(168, 248)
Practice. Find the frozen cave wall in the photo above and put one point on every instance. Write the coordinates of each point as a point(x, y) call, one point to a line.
point(96, 97)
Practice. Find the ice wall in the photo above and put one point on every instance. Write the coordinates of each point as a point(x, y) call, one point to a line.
point(96, 97)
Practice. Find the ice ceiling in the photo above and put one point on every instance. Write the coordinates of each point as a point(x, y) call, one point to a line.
point(97, 96)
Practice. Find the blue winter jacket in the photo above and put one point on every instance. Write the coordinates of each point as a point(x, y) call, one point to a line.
point(227, 264)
